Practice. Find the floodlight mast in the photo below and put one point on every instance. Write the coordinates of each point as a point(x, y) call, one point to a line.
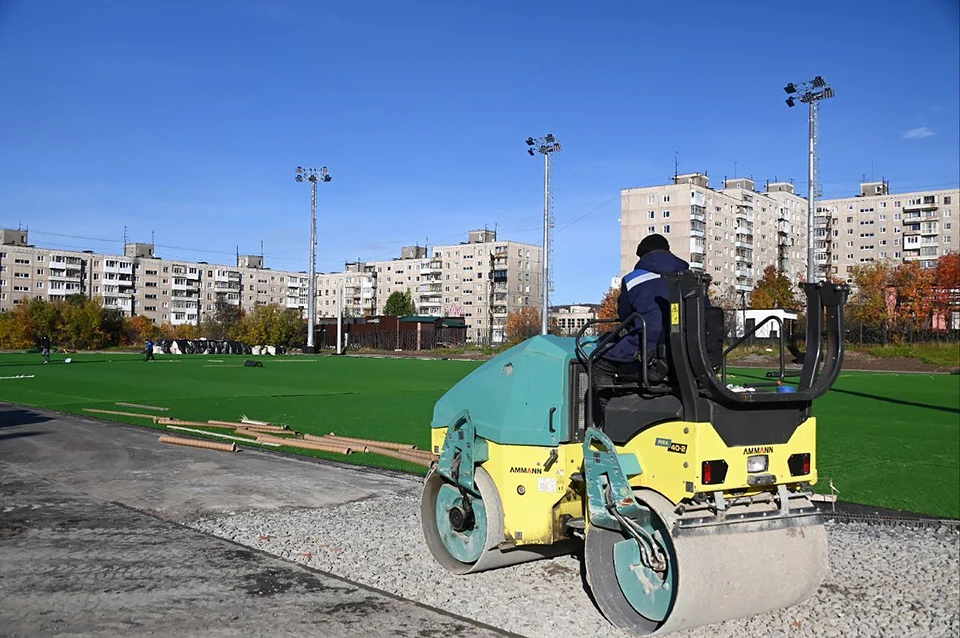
point(313, 176)
point(812, 92)
point(546, 146)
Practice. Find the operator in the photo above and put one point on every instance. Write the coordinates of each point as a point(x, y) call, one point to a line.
point(642, 290)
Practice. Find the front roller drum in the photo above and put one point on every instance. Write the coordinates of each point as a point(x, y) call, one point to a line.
point(467, 538)
point(710, 577)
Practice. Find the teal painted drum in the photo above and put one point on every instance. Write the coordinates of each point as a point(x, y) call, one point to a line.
point(648, 592)
point(467, 545)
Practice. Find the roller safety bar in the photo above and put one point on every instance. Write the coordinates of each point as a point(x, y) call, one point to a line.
point(824, 312)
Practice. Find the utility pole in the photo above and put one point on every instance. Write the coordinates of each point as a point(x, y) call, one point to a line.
point(340, 318)
point(812, 93)
point(313, 176)
point(546, 146)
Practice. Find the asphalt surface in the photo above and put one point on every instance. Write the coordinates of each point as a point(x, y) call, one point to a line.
point(92, 540)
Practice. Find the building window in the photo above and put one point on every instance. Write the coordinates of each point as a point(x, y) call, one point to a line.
point(666, 229)
point(651, 230)
point(666, 213)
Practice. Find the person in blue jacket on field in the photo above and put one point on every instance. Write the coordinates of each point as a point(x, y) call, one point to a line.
point(642, 290)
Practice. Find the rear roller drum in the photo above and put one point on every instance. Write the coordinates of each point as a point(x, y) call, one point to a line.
point(729, 572)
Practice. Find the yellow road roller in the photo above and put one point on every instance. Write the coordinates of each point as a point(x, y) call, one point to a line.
point(692, 501)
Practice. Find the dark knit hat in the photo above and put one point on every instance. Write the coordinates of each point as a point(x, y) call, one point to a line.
point(651, 243)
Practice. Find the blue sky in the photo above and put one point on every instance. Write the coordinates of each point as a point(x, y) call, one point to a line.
point(188, 118)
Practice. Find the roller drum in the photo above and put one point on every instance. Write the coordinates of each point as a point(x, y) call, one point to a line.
point(732, 571)
point(491, 556)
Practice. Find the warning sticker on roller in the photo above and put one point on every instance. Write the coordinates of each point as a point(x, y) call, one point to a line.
point(547, 484)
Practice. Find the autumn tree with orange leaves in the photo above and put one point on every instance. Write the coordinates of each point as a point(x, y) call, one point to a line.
point(522, 324)
point(946, 290)
point(608, 309)
point(914, 289)
point(870, 305)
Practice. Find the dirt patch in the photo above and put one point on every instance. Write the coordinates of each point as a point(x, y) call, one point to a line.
point(854, 360)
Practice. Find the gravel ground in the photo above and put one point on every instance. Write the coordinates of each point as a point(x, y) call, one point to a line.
point(883, 581)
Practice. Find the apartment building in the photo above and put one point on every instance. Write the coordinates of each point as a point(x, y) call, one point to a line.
point(140, 283)
point(480, 280)
point(877, 225)
point(571, 318)
point(732, 233)
point(735, 232)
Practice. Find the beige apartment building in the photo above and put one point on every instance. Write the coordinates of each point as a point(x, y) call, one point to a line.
point(140, 283)
point(876, 225)
point(480, 280)
point(735, 232)
point(732, 233)
point(571, 318)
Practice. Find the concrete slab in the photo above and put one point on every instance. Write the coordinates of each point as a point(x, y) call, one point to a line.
point(73, 565)
point(89, 543)
point(125, 464)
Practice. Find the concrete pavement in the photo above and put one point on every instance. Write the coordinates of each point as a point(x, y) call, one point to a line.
point(90, 542)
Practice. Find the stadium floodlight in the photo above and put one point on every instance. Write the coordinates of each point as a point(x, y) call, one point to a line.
point(812, 93)
point(313, 176)
point(546, 146)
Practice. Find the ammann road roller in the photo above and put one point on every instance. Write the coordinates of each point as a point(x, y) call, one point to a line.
point(693, 498)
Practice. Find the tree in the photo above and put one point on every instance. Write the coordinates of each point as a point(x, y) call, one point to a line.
point(225, 316)
point(946, 293)
point(870, 304)
point(522, 324)
point(915, 293)
point(608, 309)
point(270, 325)
point(137, 329)
point(399, 304)
point(774, 290)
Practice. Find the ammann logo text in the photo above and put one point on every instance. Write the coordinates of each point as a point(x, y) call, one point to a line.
point(762, 449)
point(526, 470)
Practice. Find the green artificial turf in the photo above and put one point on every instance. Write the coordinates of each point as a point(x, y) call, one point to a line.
point(891, 440)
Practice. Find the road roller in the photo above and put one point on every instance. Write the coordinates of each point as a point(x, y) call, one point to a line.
point(689, 496)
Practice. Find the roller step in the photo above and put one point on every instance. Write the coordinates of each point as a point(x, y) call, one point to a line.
point(576, 523)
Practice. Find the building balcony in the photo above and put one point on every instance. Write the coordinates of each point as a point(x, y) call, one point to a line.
point(697, 232)
point(742, 274)
point(431, 267)
point(929, 231)
point(929, 203)
point(65, 292)
point(911, 230)
point(743, 243)
point(118, 269)
point(65, 277)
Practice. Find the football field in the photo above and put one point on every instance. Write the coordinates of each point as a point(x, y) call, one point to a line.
point(885, 439)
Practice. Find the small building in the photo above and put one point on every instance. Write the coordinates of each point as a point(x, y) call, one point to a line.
point(571, 318)
point(747, 319)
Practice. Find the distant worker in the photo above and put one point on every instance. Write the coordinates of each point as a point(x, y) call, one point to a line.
point(148, 351)
point(642, 290)
point(45, 348)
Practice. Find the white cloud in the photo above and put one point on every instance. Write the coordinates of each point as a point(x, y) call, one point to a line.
point(917, 133)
